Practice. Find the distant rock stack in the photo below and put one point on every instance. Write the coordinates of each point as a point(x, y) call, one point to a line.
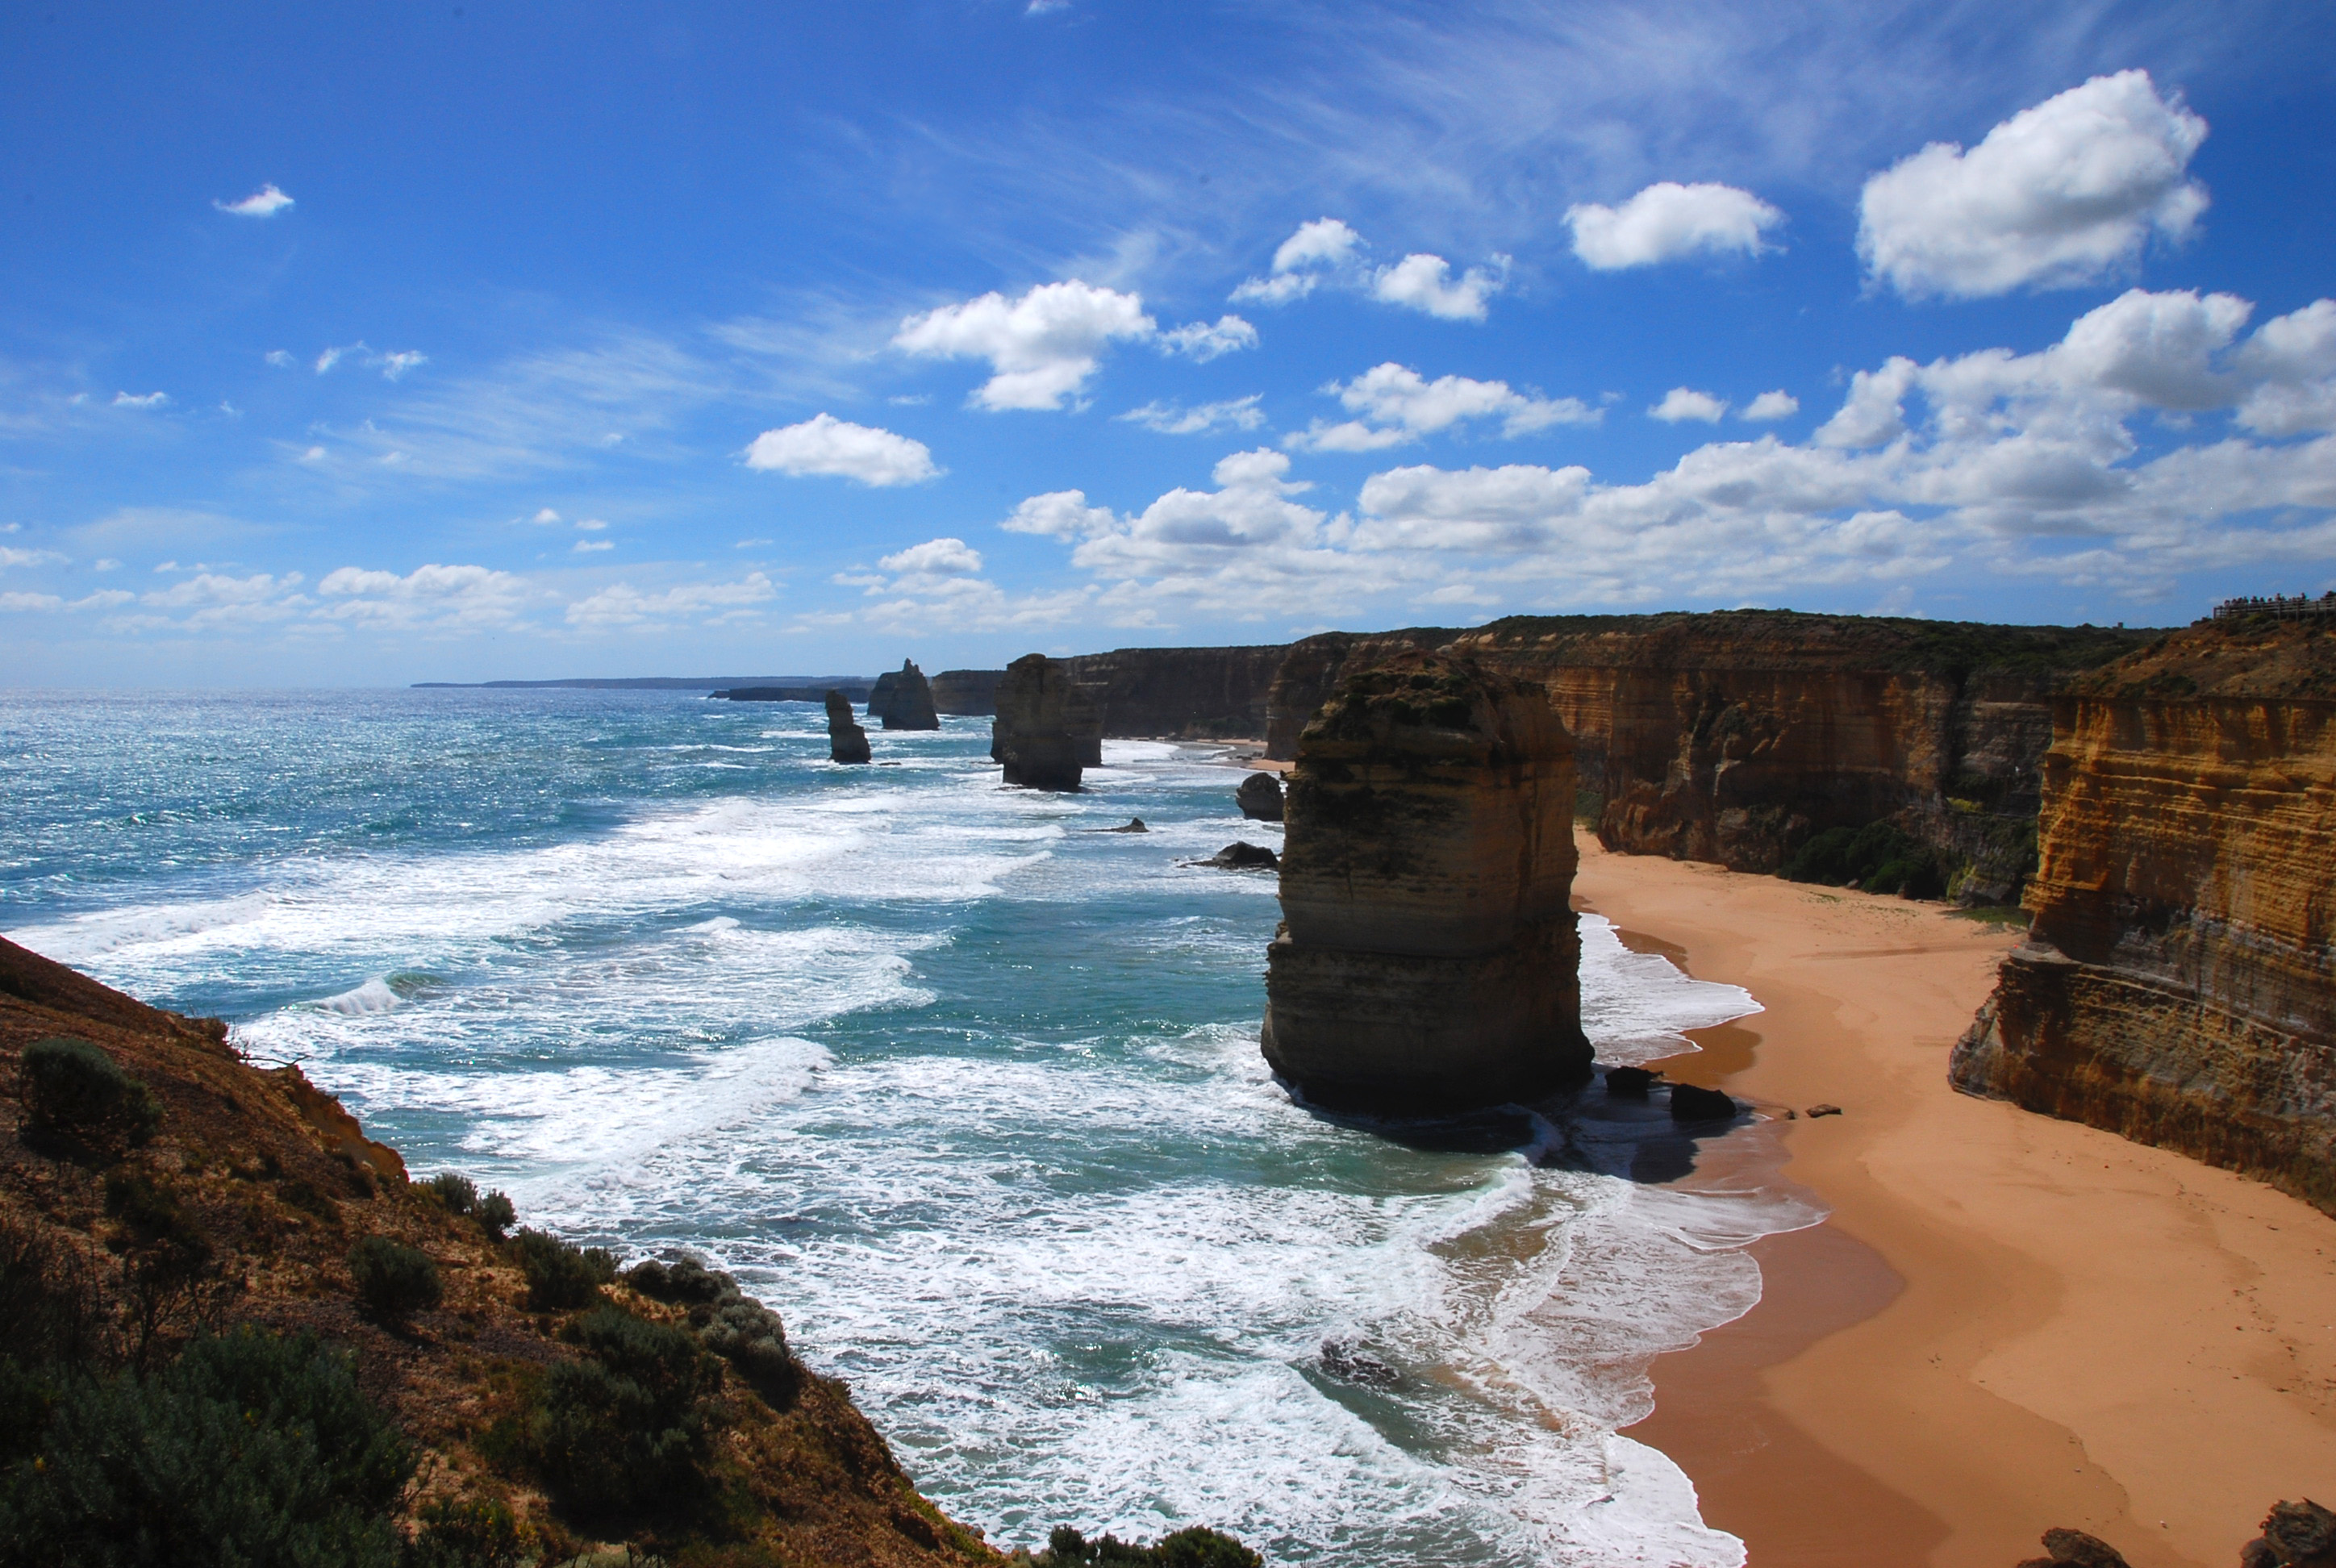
point(846, 741)
point(903, 700)
point(1260, 797)
point(1428, 956)
point(1047, 729)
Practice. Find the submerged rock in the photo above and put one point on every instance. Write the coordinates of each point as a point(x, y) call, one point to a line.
point(1630, 1083)
point(1429, 956)
point(846, 741)
point(1260, 797)
point(1134, 825)
point(903, 699)
point(1345, 1360)
point(1243, 856)
point(1048, 729)
point(1691, 1103)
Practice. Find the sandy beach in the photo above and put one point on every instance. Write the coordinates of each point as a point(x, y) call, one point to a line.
point(2010, 1322)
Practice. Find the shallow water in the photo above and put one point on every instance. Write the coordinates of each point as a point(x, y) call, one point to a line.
point(966, 1089)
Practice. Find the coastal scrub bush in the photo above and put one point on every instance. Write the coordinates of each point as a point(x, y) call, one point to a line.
point(734, 1325)
point(71, 1088)
point(560, 1276)
point(1193, 1548)
point(1880, 857)
point(495, 1215)
point(455, 1193)
point(393, 1280)
point(248, 1449)
point(622, 1432)
point(470, 1532)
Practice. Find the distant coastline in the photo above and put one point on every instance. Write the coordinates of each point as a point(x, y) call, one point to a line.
point(847, 683)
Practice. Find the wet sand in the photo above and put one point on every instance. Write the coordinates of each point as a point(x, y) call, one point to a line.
point(2010, 1322)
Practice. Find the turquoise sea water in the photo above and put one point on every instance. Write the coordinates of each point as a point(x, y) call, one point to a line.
point(966, 1089)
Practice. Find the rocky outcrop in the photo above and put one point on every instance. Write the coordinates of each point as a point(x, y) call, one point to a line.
point(1428, 956)
point(2178, 985)
point(1260, 798)
point(968, 693)
point(1738, 736)
point(903, 699)
point(846, 741)
point(1181, 693)
point(1047, 729)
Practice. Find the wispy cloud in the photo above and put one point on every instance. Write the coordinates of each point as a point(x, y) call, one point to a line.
point(265, 202)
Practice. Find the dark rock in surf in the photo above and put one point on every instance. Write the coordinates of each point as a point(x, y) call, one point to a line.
point(1349, 1362)
point(1260, 798)
point(846, 741)
point(1243, 856)
point(903, 699)
point(2294, 1536)
point(1693, 1104)
point(1047, 729)
point(1134, 825)
point(1629, 1083)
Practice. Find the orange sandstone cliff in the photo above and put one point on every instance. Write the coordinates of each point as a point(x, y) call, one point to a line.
point(2178, 985)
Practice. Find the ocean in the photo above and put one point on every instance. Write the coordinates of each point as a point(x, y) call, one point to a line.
point(965, 1089)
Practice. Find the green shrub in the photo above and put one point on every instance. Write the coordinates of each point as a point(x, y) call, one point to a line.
point(469, 1533)
point(455, 1191)
point(685, 1280)
point(246, 1450)
point(393, 1280)
point(1193, 1548)
point(1879, 857)
point(495, 1215)
point(622, 1433)
point(560, 1276)
point(740, 1330)
point(71, 1088)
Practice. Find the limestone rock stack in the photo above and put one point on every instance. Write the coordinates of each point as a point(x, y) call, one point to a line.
point(846, 741)
point(903, 699)
point(1428, 956)
point(2179, 986)
point(1260, 798)
point(1047, 729)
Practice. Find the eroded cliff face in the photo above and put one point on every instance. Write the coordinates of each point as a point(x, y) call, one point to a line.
point(1734, 736)
point(2178, 985)
point(1181, 693)
point(1428, 956)
point(1047, 729)
point(972, 693)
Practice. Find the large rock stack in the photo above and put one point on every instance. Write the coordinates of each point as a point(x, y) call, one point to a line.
point(1429, 958)
point(846, 741)
point(903, 699)
point(1047, 727)
point(2179, 984)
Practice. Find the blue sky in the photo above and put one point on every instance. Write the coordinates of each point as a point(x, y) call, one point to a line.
point(368, 344)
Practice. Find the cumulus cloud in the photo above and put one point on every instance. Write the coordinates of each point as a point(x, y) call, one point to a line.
point(1397, 404)
point(1685, 403)
point(1205, 340)
point(1173, 419)
point(1424, 283)
point(623, 606)
point(2063, 194)
point(11, 556)
point(212, 598)
point(265, 202)
point(1768, 405)
point(1059, 514)
point(26, 603)
point(1667, 220)
point(1317, 250)
point(825, 444)
point(935, 557)
point(428, 598)
point(1041, 348)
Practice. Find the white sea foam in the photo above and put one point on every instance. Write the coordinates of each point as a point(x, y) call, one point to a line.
point(1634, 1006)
point(372, 997)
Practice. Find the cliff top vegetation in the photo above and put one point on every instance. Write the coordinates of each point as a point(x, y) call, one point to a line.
point(2239, 657)
point(1795, 639)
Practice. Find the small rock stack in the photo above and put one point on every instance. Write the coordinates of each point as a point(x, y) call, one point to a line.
point(1260, 798)
point(1047, 727)
point(904, 699)
point(846, 741)
point(1429, 958)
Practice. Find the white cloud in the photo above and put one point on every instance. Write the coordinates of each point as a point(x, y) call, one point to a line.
point(392, 365)
point(591, 524)
point(2063, 194)
point(1768, 405)
point(11, 556)
point(1173, 419)
point(696, 604)
point(432, 598)
point(935, 557)
point(22, 603)
point(825, 444)
point(145, 400)
point(1041, 348)
point(265, 202)
point(105, 564)
point(280, 358)
point(1424, 283)
point(104, 599)
point(1667, 220)
point(1205, 340)
point(1059, 514)
point(587, 546)
point(2292, 361)
point(213, 599)
point(332, 356)
point(398, 363)
point(1317, 249)
point(547, 515)
point(1685, 403)
point(1401, 405)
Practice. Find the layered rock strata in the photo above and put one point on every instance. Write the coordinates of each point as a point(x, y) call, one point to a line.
point(1428, 956)
point(1047, 729)
point(1260, 798)
point(968, 693)
point(846, 741)
point(2178, 985)
point(903, 699)
point(1181, 693)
